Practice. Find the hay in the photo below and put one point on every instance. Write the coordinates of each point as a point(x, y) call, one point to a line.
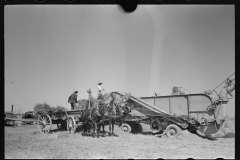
point(123, 146)
point(63, 135)
point(35, 132)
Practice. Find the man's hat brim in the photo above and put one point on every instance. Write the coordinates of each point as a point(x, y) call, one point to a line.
point(100, 83)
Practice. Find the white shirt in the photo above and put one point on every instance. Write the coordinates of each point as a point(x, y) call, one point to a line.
point(99, 88)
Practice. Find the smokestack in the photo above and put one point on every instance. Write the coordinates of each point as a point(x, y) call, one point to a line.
point(12, 108)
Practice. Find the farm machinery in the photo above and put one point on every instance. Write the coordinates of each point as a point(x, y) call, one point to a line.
point(202, 113)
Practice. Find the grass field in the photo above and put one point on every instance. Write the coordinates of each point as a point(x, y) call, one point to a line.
point(26, 142)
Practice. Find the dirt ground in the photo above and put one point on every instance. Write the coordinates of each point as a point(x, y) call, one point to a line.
point(26, 142)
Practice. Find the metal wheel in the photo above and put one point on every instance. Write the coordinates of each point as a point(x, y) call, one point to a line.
point(126, 127)
point(139, 127)
point(71, 125)
point(203, 121)
point(173, 130)
point(44, 123)
point(136, 127)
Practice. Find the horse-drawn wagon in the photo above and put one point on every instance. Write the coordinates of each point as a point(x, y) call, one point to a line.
point(95, 113)
point(61, 118)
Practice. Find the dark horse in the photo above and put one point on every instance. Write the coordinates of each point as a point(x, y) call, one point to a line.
point(96, 116)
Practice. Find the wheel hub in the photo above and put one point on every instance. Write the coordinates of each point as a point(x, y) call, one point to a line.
point(70, 124)
point(125, 129)
point(173, 132)
point(44, 122)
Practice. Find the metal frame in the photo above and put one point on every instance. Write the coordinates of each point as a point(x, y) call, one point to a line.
point(184, 95)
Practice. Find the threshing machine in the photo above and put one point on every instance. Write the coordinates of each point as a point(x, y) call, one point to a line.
point(198, 113)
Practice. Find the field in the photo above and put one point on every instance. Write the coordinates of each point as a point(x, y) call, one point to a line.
point(26, 142)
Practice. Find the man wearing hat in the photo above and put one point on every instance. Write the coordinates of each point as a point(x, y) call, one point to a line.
point(100, 88)
point(73, 100)
point(100, 95)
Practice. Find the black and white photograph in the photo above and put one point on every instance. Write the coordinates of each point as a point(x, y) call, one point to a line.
point(88, 81)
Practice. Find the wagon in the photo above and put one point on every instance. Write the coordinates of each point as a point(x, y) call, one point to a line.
point(69, 118)
point(14, 119)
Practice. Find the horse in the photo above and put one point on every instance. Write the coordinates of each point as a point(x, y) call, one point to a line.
point(96, 116)
point(114, 109)
point(114, 112)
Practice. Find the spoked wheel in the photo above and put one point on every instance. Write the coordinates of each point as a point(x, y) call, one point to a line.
point(44, 123)
point(173, 130)
point(71, 125)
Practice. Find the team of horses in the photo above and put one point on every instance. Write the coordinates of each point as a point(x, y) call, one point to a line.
point(101, 113)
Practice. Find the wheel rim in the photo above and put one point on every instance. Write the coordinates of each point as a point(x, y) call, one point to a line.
point(71, 125)
point(44, 123)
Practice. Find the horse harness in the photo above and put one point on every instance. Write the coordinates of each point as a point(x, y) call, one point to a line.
point(90, 118)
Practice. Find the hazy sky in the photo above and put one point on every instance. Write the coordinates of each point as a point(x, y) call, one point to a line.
point(50, 50)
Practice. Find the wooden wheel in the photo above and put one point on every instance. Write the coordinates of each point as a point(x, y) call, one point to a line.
point(44, 123)
point(71, 125)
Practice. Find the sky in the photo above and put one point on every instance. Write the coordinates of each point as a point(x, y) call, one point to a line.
point(51, 50)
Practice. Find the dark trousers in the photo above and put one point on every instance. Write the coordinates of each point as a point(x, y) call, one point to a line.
point(73, 106)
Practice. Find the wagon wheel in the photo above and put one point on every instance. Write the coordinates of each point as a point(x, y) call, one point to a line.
point(71, 125)
point(44, 123)
point(173, 130)
point(203, 121)
point(138, 128)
